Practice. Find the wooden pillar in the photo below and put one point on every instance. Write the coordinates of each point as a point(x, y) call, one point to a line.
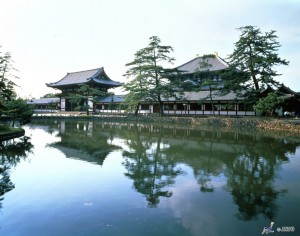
point(90, 104)
point(62, 104)
point(151, 108)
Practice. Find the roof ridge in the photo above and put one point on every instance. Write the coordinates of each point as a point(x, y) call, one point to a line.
point(69, 73)
point(189, 61)
point(84, 70)
point(222, 60)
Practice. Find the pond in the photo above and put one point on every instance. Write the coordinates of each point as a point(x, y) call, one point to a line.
point(77, 177)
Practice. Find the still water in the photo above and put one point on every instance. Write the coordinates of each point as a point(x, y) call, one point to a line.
point(93, 178)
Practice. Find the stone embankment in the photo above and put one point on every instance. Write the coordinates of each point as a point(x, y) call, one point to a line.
point(261, 123)
point(291, 125)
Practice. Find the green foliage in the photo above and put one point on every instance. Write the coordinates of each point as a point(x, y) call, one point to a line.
point(150, 80)
point(51, 95)
point(79, 98)
point(267, 105)
point(7, 91)
point(18, 110)
point(14, 109)
point(253, 60)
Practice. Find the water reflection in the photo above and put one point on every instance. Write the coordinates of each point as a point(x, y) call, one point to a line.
point(12, 152)
point(250, 163)
point(251, 176)
point(153, 157)
point(149, 166)
point(78, 141)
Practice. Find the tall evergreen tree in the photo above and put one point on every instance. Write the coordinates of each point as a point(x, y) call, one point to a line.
point(7, 91)
point(150, 80)
point(253, 60)
point(14, 108)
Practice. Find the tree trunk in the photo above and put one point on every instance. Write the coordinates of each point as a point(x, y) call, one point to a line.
point(255, 82)
point(88, 108)
point(211, 101)
point(161, 110)
point(252, 69)
point(136, 109)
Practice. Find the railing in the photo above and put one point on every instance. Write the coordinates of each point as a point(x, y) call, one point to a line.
point(46, 110)
point(146, 112)
point(203, 112)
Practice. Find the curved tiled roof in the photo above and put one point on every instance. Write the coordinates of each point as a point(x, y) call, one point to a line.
point(82, 77)
point(43, 101)
point(192, 66)
point(112, 98)
point(205, 95)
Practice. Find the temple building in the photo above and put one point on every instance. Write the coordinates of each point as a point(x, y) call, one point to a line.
point(202, 81)
point(95, 78)
point(198, 96)
point(45, 104)
point(205, 100)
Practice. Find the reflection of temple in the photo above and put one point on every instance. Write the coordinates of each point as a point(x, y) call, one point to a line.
point(78, 141)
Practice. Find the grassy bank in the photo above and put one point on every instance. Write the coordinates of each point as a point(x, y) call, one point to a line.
point(7, 132)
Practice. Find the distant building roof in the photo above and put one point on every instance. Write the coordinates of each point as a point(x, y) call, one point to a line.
point(187, 96)
point(97, 76)
point(205, 95)
point(192, 66)
point(282, 89)
point(112, 98)
point(43, 101)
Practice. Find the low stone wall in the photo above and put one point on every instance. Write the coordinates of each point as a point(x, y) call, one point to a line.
point(291, 125)
point(288, 126)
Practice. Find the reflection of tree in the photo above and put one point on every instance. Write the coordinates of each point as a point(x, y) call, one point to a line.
point(5, 183)
point(250, 179)
point(203, 157)
point(204, 176)
point(150, 168)
point(11, 153)
point(250, 163)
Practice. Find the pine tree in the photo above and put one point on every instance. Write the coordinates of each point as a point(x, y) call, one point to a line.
point(150, 80)
point(7, 91)
point(253, 60)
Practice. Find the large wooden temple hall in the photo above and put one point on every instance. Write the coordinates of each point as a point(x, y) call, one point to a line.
point(96, 78)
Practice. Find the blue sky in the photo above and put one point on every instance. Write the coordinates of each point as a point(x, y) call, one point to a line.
point(48, 38)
